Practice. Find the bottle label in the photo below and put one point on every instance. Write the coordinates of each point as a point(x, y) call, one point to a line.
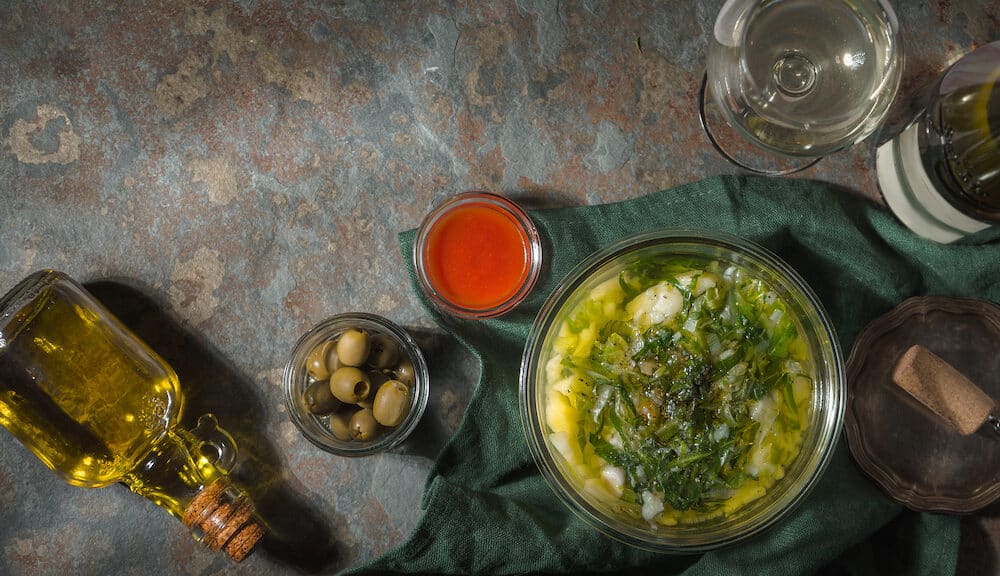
point(911, 195)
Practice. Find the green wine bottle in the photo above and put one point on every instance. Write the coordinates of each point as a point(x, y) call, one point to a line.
point(966, 153)
point(941, 175)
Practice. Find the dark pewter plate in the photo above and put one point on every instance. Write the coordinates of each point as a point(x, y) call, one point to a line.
point(912, 454)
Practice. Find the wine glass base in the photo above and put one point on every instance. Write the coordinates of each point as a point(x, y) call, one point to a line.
point(737, 150)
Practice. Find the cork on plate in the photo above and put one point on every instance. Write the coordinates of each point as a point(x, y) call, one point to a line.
point(943, 389)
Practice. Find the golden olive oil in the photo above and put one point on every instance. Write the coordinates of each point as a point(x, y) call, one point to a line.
point(85, 400)
point(96, 405)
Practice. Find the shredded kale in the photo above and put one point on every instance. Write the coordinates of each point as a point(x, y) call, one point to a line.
point(678, 420)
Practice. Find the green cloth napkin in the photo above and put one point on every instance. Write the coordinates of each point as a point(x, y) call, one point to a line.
point(488, 509)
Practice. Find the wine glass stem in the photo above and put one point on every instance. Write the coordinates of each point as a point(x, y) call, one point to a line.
point(794, 74)
point(703, 118)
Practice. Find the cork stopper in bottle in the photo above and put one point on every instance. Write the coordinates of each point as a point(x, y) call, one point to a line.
point(224, 519)
point(943, 389)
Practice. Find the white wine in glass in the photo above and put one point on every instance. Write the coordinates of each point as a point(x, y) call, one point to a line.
point(805, 78)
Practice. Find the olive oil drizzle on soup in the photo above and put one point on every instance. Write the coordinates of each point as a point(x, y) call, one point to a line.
point(678, 390)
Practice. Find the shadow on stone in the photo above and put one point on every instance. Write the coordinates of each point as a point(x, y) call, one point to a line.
point(297, 536)
point(448, 363)
point(542, 199)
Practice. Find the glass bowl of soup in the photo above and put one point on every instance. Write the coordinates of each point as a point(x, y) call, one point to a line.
point(682, 390)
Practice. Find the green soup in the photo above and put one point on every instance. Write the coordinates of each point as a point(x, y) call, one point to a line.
point(679, 390)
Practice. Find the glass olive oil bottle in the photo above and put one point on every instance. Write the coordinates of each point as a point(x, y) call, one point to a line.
point(97, 406)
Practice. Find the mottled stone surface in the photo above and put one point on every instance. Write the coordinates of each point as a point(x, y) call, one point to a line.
point(225, 175)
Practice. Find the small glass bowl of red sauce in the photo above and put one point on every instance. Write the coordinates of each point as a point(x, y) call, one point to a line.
point(477, 255)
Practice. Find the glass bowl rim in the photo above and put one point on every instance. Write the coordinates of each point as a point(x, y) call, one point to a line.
point(294, 372)
point(874, 117)
point(833, 397)
point(501, 204)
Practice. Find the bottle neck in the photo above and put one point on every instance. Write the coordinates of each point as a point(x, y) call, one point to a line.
point(172, 473)
point(186, 474)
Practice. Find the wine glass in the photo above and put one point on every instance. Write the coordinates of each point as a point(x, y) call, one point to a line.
point(800, 79)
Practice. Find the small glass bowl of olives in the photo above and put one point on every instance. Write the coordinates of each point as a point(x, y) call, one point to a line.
point(356, 384)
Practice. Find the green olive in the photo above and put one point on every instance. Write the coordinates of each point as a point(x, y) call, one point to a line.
point(384, 352)
point(404, 372)
point(319, 399)
point(349, 384)
point(352, 347)
point(392, 403)
point(363, 425)
point(317, 362)
point(340, 424)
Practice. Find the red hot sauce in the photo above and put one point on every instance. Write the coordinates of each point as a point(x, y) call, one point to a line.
point(477, 255)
